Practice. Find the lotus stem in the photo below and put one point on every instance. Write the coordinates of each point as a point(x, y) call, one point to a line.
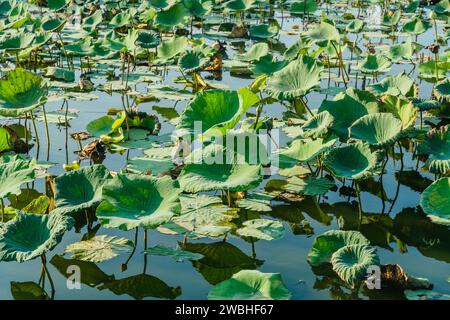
point(65, 51)
point(35, 132)
point(44, 265)
point(358, 196)
point(124, 265)
point(145, 249)
point(253, 249)
point(47, 133)
point(3, 209)
point(381, 180)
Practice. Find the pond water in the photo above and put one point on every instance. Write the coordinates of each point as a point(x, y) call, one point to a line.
point(403, 234)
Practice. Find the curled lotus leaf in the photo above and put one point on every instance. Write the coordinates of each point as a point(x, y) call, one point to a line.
point(29, 236)
point(437, 146)
point(318, 125)
point(352, 262)
point(378, 129)
point(326, 244)
point(354, 161)
point(251, 284)
point(435, 201)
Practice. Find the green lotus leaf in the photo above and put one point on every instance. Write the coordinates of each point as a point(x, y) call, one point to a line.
point(354, 161)
point(52, 24)
point(91, 22)
point(364, 97)
point(104, 125)
point(442, 7)
point(437, 146)
point(323, 31)
point(216, 110)
point(29, 236)
point(427, 70)
point(354, 26)
point(176, 253)
point(309, 186)
point(401, 51)
point(81, 47)
point(146, 165)
point(61, 74)
point(303, 7)
point(401, 108)
point(416, 25)
point(138, 201)
point(442, 90)
point(318, 125)
point(263, 31)
point(15, 171)
point(240, 5)
point(99, 248)
point(301, 46)
point(198, 8)
point(263, 229)
point(267, 65)
point(378, 129)
point(121, 19)
point(345, 110)
point(303, 150)
point(399, 84)
point(6, 143)
point(28, 290)
point(148, 39)
point(257, 51)
point(256, 201)
point(192, 61)
point(435, 200)
point(197, 177)
point(38, 206)
point(160, 4)
point(16, 42)
point(171, 48)
point(21, 92)
point(295, 80)
point(329, 242)
point(80, 189)
point(141, 286)
point(57, 5)
point(251, 285)
point(175, 15)
point(375, 64)
point(352, 262)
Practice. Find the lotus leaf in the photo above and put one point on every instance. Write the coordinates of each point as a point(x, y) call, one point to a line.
point(21, 92)
point(435, 200)
point(256, 201)
point(318, 125)
point(15, 171)
point(416, 25)
point(138, 201)
point(29, 236)
point(251, 284)
point(263, 229)
point(400, 108)
point(399, 84)
point(177, 253)
point(354, 161)
point(437, 146)
point(172, 17)
point(375, 64)
point(303, 150)
point(310, 186)
point(377, 129)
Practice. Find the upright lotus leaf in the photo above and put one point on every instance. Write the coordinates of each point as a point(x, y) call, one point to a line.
point(364, 97)
point(21, 92)
point(82, 47)
point(354, 161)
point(192, 61)
point(138, 201)
point(99, 248)
point(378, 129)
point(121, 19)
point(141, 286)
point(263, 31)
point(57, 5)
point(52, 24)
point(401, 108)
point(29, 236)
point(375, 64)
point(257, 51)
point(395, 85)
point(323, 31)
point(345, 110)
point(435, 201)
point(16, 42)
point(303, 7)
point(80, 189)
point(263, 229)
point(309, 186)
point(416, 25)
point(352, 262)
point(402, 51)
point(160, 4)
point(303, 150)
point(329, 242)
point(197, 177)
point(318, 125)
point(171, 48)
point(6, 142)
point(240, 5)
point(251, 285)
point(442, 90)
point(354, 26)
point(171, 17)
point(437, 146)
point(15, 171)
point(442, 7)
point(295, 80)
point(91, 22)
point(267, 65)
point(216, 111)
point(60, 74)
point(148, 39)
point(198, 8)
point(104, 125)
